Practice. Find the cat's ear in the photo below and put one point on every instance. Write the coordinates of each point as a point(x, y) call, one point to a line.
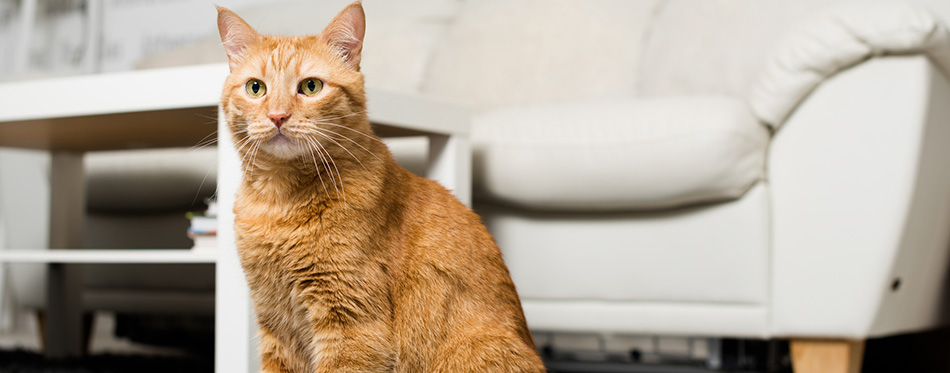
point(236, 35)
point(345, 34)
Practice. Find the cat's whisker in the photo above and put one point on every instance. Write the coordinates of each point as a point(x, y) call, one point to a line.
point(252, 155)
point(311, 146)
point(242, 143)
point(257, 149)
point(345, 115)
point(328, 137)
point(198, 192)
point(208, 117)
point(206, 141)
point(242, 129)
point(212, 138)
point(369, 136)
point(244, 161)
point(203, 146)
point(240, 149)
point(341, 191)
point(341, 136)
point(209, 120)
point(329, 161)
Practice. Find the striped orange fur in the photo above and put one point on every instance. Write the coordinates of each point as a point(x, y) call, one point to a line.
point(354, 263)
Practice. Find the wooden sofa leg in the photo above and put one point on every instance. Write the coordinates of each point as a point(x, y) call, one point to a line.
point(826, 356)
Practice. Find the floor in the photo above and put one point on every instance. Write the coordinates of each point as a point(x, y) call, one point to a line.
point(20, 346)
point(24, 335)
point(20, 352)
point(919, 352)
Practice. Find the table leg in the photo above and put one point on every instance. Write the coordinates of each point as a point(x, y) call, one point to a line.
point(64, 281)
point(235, 324)
point(450, 163)
point(64, 310)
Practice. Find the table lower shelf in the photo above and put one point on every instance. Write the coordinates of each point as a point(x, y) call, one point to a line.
point(126, 256)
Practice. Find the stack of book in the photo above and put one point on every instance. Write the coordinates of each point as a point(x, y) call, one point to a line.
point(204, 228)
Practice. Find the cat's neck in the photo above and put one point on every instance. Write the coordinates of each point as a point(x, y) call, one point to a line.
point(351, 178)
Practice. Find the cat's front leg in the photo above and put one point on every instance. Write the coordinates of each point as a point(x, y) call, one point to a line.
point(489, 351)
point(362, 348)
point(273, 353)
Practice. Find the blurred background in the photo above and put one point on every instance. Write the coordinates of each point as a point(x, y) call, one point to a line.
point(498, 57)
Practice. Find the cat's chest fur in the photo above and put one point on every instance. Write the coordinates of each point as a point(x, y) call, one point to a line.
point(311, 269)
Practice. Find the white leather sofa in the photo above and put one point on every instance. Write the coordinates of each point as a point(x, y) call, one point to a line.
point(742, 168)
point(745, 168)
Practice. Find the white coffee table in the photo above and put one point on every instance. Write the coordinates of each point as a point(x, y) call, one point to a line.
point(170, 108)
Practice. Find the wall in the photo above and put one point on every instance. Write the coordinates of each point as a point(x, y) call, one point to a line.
point(87, 36)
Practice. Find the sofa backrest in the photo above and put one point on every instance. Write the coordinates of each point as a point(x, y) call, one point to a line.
point(495, 53)
point(515, 52)
point(502, 52)
point(716, 47)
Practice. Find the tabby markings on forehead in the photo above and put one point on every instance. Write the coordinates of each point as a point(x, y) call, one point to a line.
point(281, 60)
point(283, 56)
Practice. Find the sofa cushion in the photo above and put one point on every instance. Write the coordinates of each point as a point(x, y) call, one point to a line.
point(706, 253)
point(623, 154)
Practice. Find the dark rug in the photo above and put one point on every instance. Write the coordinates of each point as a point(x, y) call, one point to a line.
point(30, 362)
point(917, 352)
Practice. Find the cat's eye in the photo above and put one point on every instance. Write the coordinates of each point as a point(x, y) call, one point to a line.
point(310, 86)
point(255, 88)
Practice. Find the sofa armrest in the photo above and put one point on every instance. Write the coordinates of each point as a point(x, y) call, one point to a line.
point(861, 204)
point(838, 39)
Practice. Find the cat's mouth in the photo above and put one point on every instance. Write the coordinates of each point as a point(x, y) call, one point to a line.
point(280, 138)
point(282, 146)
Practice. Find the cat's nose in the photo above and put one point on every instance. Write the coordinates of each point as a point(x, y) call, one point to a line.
point(278, 118)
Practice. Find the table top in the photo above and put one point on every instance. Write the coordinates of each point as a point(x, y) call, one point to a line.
point(171, 107)
point(90, 256)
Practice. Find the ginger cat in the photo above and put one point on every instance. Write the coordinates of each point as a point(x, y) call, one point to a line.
point(354, 264)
